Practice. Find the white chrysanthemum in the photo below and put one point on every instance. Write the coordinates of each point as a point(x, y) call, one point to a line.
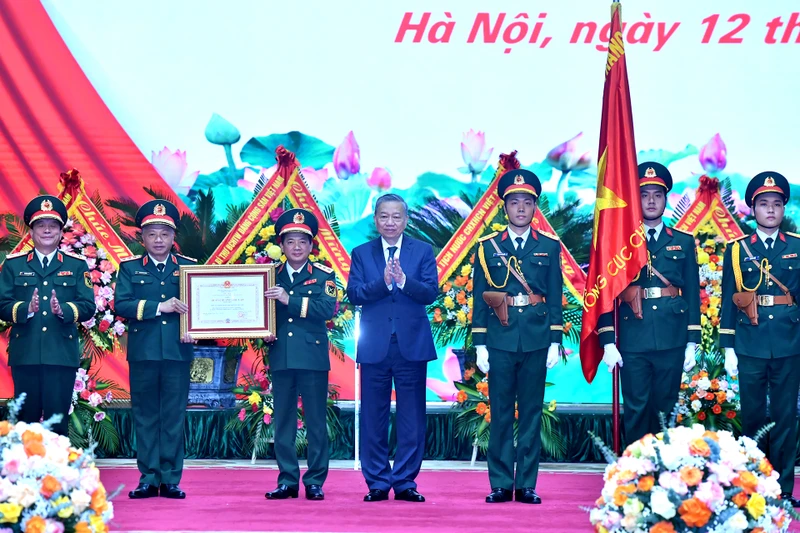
point(661, 504)
point(704, 383)
point(80, 500)
point(671, 456)
point(736, 523)
point(25, 492)
point(696, 405)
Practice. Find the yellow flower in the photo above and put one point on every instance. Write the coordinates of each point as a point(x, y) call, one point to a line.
point(267, 232)
point(710, 242)
point(274, 251)
point(756, 505)
point(249, 261)
point(703, 320)
point(312, 258)
point(465, 270)
point(498, 227)
point(254, 398)
point(469, 302)
point(702, 257)
point(552, 406)
point(283, 258)
point(448, 302)
point(97, 524)
point(712, 312)
point(712, 267)
point(322, 255)
point(267, 410)
point(714, 301)
point(348, 315)
point(67, 510)
point(10, 512)
point(250, 250)
point(461, 316)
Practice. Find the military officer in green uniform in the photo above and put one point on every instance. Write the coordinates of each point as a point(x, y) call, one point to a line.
point(305, 299)
point(762, 340)
point(658, 319)
point(519, 272)
point(44, 294)
point(147, 294)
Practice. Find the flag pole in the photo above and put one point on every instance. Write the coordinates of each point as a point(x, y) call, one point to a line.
point(615, 389)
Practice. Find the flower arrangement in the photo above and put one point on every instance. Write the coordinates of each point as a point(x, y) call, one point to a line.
point(105, 328)
point(690, 479)
point(475, 415)
point(88, 420)
point(451, 312)
point(256, 409)
point(48, 486)
point(711, 399)
point(710, 252)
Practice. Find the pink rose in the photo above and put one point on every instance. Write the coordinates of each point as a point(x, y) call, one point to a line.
point(347, 158)
point(172, 168)
point(380, 179)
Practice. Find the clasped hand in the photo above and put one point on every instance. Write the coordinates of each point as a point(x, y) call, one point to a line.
point(277, 293)
point(55, 306)
point(394, 272)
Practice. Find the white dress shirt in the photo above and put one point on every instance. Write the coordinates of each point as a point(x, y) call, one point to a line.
point(292, 271)
point(49, 257)
point(763, 236)
point(524, 237)
point(658, 231)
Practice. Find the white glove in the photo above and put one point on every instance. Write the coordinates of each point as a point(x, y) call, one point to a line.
point(689, 356)
point(482, 358)
point(731, 362)
point(611, 356)
point(552, 355)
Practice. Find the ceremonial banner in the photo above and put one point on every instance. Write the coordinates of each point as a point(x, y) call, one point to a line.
point(618, 248)
point(708, 207)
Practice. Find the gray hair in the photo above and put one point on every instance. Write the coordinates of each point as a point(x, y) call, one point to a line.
point(391, 198)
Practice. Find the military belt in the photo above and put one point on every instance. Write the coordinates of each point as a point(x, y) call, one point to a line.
point(521, 300)
point(649, 293)
point(767, 300)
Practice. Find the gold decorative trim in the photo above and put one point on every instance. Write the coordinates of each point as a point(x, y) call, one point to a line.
point(606, 329)
point(694, 328)
point(74, 311)
point(14, 311)
point(304, 307)
point(140, 309)
point(478, 330)
point(555, 327)
point(723, 331)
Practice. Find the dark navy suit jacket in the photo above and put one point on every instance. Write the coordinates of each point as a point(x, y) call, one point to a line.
point(405, 307)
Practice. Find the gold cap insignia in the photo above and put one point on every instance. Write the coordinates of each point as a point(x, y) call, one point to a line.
point(159, 210)
point(769, 182)
point(299, 218)
point(650, 173)
point(47, 205)
point(519, 180)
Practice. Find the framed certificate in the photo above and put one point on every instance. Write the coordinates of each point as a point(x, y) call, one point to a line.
point(227, 301)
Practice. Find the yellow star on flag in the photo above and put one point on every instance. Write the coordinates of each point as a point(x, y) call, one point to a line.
point(606, 198)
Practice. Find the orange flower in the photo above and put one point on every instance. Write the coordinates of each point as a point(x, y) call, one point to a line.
point(472, 259)
point(469, 285)
point(600, 502)
point(716, 409)
point(50, 486)
point(695, 377)
point(33, 447)
point(461, 397)
point(36, 524)
point(483, 388)
point(469, 316)
point(488, 416)
point(693, 397)
point(703, 309)
point(715, 321)
point(694, 512)
point(82, 527)
point(437, 315)
point(747, 480)
point(765, 467)
point(662, 527)
point(447, 286)
point(30, 436)
point(679, 418)
point(461, 297)
point(740, 499)
point(567, 327)
point(711, 435)
point(710, 396)
point(714, 384)
point(5, 428)
point(480, 408)
point(714, 282)
point(99, 504)
point(621, 494)
point(645, 483)
point(460, 281)
point(626, 475)
point(563, 300)
point(704, 373)
point(691, 476)
point(721, 397)
point(516, 414)
point(699, 447)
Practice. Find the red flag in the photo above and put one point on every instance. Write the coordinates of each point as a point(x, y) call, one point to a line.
point(619, 248)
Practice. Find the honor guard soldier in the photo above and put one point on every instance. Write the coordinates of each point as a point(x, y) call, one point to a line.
point(760, 323)
point(44, 294)
point(517, 329)
point(305, 299)
point(658, 319)
point(147, 294)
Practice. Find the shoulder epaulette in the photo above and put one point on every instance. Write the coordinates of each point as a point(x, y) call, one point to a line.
point(14, 255)
point(131, 258)
point(739, 238)
point(683, 231)
point(73, 255)
point(548, 235)
point(795, 235)
point(487, 237)
point(192, 259)
point(322, 267)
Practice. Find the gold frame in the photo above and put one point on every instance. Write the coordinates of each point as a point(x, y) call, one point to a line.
point(186, 271)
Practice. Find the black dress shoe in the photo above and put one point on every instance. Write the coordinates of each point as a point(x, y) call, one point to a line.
point(499, 496)
point(410, 495)
point(172, 490)
point(789, 498)
point(314, 492)
point(376, 495)
point(527, 496)
point(143, 490)
point(282, 493)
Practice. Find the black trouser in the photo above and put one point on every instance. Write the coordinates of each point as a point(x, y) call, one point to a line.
point(159, 394)
point(48, 390)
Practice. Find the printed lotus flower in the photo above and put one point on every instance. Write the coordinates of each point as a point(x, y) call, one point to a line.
point(220, 131)
point(714, 155)
point(380, 179)
point(452, 372)
point(347, 158)
point(566, 157)
point(251, 176)
point(474, 152)
point(172, 167)
point(315, 178)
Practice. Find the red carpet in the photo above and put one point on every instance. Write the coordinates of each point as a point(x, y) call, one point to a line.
point(233, 500)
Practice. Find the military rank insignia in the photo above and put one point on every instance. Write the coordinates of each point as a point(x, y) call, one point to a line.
point(87, 279)
point(674, 248)
point(330, 288)
point(789, 256)
point(65, 273)
point(310, 281)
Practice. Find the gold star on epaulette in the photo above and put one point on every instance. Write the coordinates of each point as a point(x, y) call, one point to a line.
point(322, 267)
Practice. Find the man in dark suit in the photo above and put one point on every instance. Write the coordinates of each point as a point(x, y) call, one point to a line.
point(44, 294)
point(305, 296)
point(656, 347)
point(765, 266)
point(393, 278)
point(147, 294)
